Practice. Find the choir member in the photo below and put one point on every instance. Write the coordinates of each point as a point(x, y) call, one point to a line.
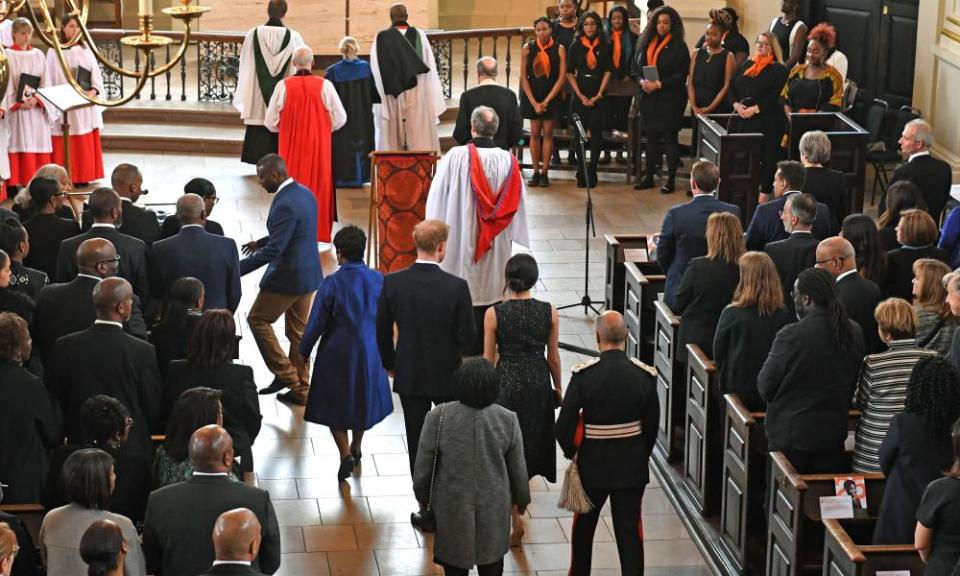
point(543, 62)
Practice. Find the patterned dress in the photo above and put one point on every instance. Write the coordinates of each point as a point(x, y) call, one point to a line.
point(523, 330)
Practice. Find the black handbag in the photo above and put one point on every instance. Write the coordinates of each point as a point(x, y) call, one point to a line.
point(428, 520)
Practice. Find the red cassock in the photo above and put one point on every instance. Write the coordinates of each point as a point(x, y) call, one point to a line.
point(305, 144)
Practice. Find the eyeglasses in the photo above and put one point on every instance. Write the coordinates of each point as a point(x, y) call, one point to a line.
point(837, 258)
point(110, 261)
point(214, 199)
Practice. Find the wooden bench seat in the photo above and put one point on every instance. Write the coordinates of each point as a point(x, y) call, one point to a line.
point(849, 551)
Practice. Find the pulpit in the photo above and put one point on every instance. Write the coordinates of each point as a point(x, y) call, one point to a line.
point(848, 142)
point(738, 157)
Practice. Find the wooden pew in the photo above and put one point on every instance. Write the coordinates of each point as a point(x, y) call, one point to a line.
point(795, 532)
point(741, 486)
point(640, 294)
point(622, 248)
point(848, 551)
point(31, 515)
point(671, 386)
point(702, 457)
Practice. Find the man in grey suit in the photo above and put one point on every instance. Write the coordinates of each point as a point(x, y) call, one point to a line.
point(176, 532)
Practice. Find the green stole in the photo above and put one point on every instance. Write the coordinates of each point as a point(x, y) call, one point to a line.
point(268, 82)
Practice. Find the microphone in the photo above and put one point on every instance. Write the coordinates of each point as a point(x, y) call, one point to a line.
point(578, 124)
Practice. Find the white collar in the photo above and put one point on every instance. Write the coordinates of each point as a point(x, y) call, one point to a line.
point(104, 225)
point(122, 199)
point(419, 261)
point(109, 323)
point(705, 194)
point(487, 81)
point(286, 183)
point(191, 226)
point(789, 192)
point(238, 562)
point(195, 473)
point(918, 154)
point(82, 275)
point(845, 274)
point(801, 232)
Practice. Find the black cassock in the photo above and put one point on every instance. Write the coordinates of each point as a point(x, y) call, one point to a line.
point(353, 142)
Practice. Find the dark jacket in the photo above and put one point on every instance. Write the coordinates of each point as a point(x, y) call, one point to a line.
point(132, 253)
point(28, 561)
point(434, 318)
point(700, 301)
point(808, 384)
point(103, 359)
point(504, 103)
point(683, 237)
point(830, 188)
point(171, 225)
point(663, 109)
point(212, 259)
point(932, 176)
point(17, 303)
point(290, 249)
point(911, 457)
point(28, 429)
point(792, 256)
point(231, 570)
point(740, 347)
point(176, 532)
point(899, 279)
point(27, 281)
point(766, 226)
point(860, 297)
point(611, 389)
point(46, 231)
point(171, 338)
point(138, 222)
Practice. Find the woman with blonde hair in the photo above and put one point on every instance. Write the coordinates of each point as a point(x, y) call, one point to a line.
point(882, 389)
point(352, 143)
point(700, 303)
point(917, 234)
point(8, 549)
point(935, 323)
point(747, 327)
point(24, 206)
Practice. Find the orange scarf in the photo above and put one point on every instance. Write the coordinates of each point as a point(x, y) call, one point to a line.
point(759, 63)
point(543, 57)
point(591, 57)
point(615, 36)
point(654, 48)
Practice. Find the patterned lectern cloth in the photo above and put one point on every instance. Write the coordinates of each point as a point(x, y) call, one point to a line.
point(402, 184)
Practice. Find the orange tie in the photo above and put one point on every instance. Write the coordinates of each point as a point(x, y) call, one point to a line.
point(590, 45)
point(655, 47)
point(615, 36)
point(543, 57)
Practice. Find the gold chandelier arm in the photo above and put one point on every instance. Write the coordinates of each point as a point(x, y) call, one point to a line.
point(141, 82)
point(41, 28)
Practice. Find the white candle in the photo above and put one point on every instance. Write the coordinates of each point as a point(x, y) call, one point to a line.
point(146, 7)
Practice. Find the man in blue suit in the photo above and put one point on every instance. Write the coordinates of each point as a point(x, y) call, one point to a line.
point(683, 236)
point(193, 251)
point(293, 275)
point(766, 225)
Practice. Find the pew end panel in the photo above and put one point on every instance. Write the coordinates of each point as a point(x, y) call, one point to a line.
point(640, 294)
point(847, 551)
point(737, 155)
point(670, 384)
point(702, 461)
point(622, 248)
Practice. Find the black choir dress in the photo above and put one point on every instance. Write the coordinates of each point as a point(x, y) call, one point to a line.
point(619, 106)
point(523, 331)
point(764, 91)
point(541, 84)
point(594, 117)
point(707, 79)
point(563, 35)
point(783, 32)
point(733, 42)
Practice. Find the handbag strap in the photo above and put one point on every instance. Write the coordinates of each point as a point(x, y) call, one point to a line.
point(436, 455)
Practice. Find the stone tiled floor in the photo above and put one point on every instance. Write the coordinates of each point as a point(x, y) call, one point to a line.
point(362, 527)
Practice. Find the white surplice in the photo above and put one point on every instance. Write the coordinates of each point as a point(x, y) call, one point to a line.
point(83, 120)
point(421, 107)
point(331, 101)
point(29, 129)
point(6, 33)
point(248, 98)
point(451, 200)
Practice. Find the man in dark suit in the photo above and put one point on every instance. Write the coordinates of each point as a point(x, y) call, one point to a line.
point(932, 176)
point(799, 251)
point(236, 542)
point(103, 359)
point(488, 93)
point(193, 251)
point(616, 398)
point(828, 186)
point(177, 526)
point(859, 295)
point(809, 378)
point(766, 227)
point(104, 206)
point(293, 275)
point(67, 308)
point(46, 230)
point(683, 236)
point(433, 313)
point(138, 222)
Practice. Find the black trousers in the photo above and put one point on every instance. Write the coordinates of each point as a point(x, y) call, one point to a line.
point(415, 409)
point(595, 145)
point(495, 569)
point(653, 152)
point(476, 348)
point(627, 529)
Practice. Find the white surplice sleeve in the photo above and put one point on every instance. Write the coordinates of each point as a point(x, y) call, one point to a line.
point(331, 101)
point(272, 120)
point(247, 78)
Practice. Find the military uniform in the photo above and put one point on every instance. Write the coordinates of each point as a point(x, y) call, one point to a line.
point(616, 399)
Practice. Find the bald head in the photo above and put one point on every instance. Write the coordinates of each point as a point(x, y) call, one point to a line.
point(126, 180)
point(190, 209)
point(94, 257)
point(113, 299)
point(398, 14)
point(611, 331)
point(303, 58)
point(236, 535)
point(836, 255)
point(211, 449)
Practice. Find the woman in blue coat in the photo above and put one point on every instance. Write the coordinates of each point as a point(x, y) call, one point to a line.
point(349, 389)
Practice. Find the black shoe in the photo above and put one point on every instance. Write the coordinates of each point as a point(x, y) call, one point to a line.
point(605, 161)
point(644, 184)
point(346, 469)
point(534, 180)
point(416, 518)
point(667, 188)
point(274, 387)
point(356, 458)
point(544, 180)
point(290, 397)
point(572, 158)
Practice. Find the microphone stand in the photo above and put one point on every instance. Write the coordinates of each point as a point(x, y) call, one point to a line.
point(589, 227)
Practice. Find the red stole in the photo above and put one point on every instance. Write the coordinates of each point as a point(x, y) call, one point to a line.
point(305, 143)
point(494, 212)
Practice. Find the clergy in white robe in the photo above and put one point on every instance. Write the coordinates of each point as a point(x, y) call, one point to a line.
point(485, 218)
point(265, 60)
point(86, 152)
point(28, 120)
point(411, 98)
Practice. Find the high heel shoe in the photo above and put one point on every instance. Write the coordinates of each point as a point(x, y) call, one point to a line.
point(356, 457)
point(346, 469)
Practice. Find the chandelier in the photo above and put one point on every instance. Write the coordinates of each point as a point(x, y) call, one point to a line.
point(38, 13)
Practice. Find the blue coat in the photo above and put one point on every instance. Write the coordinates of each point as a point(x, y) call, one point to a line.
point(683, 237)
point(349, 388)
point(193, 251)
point(766, 225)
point(290, 248)
point(950, 238)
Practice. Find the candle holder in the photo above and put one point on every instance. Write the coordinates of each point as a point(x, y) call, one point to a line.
point(186, 11)
point(146, 40)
